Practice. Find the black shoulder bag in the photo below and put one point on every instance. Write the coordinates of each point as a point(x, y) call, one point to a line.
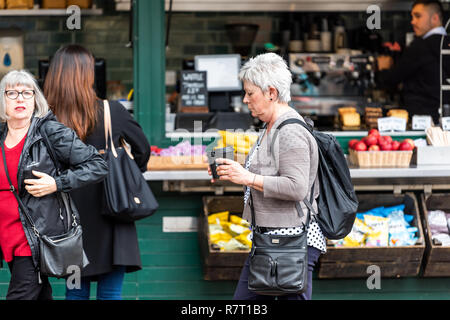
point(278, 263)
point(57, 253)
point(127, 196)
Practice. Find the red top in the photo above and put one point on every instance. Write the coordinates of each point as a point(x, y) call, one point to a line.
point(12, 237)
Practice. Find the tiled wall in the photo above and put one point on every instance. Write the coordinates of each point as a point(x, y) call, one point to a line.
point(105, 36)
point(204, 33)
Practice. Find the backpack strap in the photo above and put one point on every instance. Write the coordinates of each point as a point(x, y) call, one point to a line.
point(308, 127)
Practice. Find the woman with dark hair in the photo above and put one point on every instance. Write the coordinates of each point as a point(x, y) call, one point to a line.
point(111, 247)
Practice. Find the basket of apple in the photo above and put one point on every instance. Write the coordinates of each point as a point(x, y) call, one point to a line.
point(377, 151)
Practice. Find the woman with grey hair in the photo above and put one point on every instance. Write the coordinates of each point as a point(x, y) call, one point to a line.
point(278, 173)
point(24, 116)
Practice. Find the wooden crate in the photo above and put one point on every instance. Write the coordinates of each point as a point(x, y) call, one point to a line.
point(352, 262)
point(19, 4)
point(436, 258)
point(83, 4)
point(53, 4)
point(157, 163)
point(220, 265)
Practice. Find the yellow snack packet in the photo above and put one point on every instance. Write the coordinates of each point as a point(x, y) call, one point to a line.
point(380, 235)
point(357, 236)
point(234, 244)
point(351, 241)
point(375, 239)
point(219, 235)
point(233, 229)
point(222, 216)
point(238, 220)
point(214, 228)
point(244, 238)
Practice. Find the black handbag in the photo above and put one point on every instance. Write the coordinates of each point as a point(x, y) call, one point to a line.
point(278, 263)
point(127, 196)
point(57, 254)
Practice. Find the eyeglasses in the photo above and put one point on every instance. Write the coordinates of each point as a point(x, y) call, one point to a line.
point(14, 94)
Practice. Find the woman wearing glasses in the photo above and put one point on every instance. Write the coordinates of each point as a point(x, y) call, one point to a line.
point(24, 115)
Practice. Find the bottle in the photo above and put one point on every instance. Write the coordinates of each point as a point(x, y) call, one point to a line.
point(325, 36)
point(340, 38)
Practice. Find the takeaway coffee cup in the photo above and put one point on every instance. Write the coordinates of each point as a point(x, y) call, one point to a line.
point(227, 153)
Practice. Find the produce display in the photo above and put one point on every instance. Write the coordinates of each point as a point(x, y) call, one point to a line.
point(439, 223)
point(370, 151)
point(181, 149)
point(228, 232)
point(183, 156)
point(381, 227)
point(240, 141)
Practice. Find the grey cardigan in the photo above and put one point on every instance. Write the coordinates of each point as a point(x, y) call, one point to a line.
point(289, 171)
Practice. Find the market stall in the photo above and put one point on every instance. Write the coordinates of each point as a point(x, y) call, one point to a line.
point(184, 190)
point(375, 187)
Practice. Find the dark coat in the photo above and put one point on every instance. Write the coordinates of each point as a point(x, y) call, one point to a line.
point(106, 242)
point(81, 165)
point(418, 70)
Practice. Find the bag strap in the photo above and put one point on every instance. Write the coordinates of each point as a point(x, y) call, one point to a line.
point(61, 196)
point(297, 204)
point(308, 127)
point(14, 191)
point(108, 127)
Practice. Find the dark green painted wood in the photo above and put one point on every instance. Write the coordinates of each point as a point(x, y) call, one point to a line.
point(172, 267)
point(149, 66)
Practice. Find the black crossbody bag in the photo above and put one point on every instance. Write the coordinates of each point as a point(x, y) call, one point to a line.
point(56, 253)
point(279, 263)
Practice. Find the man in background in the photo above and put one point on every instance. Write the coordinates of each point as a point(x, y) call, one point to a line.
point(418, 69)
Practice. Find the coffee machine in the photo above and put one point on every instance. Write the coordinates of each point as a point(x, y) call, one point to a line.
point(323, 82)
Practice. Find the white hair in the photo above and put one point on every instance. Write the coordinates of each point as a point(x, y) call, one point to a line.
point(24, 78)
point(268, 70)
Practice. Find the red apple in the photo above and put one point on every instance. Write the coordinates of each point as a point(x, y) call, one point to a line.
point(395, 145)
point(371, 140)
point(406, 146)
point(386, 146)
point(380, 140)
point(374, 147)
point(410, 141)
point(360, 146)
point(387, 138)
point(374, 131)
point(351, 143)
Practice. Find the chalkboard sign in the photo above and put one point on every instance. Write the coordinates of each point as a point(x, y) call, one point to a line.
point(193, 89)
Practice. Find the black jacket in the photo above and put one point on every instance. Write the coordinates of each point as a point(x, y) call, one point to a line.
point(81, 165)
point(106, 242)
point(418, 70)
